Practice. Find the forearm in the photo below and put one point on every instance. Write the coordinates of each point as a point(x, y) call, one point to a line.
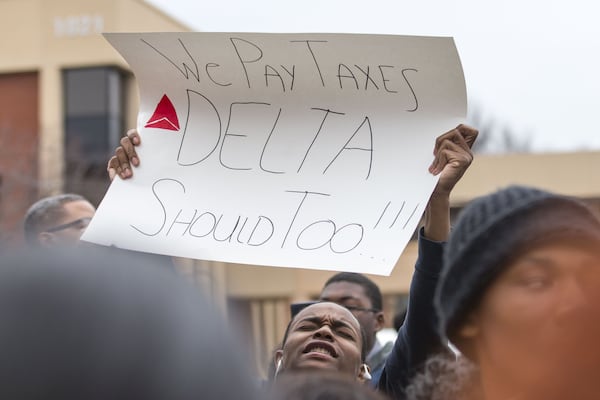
point(437, 217)
point(418, 338)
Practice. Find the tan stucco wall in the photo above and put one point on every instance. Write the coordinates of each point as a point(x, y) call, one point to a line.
point(29, 41)
point(32, 36)
point(575, 174)
point(50, 35)
point(20, 41)
point(300, 284)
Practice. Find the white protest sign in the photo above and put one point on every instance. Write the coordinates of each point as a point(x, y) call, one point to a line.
point(291, 150)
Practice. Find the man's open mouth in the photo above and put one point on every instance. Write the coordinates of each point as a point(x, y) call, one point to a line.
point(320, 348)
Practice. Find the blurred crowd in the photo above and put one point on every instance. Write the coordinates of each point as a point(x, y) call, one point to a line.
point(503, 305)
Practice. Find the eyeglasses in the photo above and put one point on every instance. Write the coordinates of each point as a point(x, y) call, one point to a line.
point(80, 223)
point(361, 309)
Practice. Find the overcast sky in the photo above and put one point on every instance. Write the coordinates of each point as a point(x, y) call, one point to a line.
point(531, 66)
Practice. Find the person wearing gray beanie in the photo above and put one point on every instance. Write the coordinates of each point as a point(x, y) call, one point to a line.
point(495, 228)
point(519, 294)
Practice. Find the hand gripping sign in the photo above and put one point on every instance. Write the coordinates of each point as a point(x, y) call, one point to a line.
point(291, 150)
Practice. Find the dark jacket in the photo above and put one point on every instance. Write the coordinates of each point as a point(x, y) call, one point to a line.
point(417, 338)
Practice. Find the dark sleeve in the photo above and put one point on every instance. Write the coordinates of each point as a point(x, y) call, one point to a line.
point(417, 338)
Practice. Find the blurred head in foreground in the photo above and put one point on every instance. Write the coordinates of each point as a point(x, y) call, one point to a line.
point(321, 385)
point(88, 324)
point(57, 220)
point(519, 293)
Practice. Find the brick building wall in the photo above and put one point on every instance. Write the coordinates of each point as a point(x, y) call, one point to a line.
point(19, 135)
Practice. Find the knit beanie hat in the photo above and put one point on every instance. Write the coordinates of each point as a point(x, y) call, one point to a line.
point(493, 230)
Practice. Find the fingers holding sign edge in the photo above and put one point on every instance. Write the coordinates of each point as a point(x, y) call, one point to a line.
point(458, 140)
point(125, 156)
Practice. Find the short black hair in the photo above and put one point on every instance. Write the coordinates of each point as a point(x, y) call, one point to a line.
point(371, 289)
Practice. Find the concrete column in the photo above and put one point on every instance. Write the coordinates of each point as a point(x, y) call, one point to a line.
point(51, 146)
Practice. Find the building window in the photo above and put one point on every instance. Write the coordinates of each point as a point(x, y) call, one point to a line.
point(94, 122)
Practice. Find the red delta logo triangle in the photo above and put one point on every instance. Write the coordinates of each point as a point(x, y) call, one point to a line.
point(164, 117)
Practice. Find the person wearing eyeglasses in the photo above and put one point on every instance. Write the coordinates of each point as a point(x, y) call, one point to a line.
point(363, 298)
point(57, 220)
point(393, 365)
point(418, 338)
